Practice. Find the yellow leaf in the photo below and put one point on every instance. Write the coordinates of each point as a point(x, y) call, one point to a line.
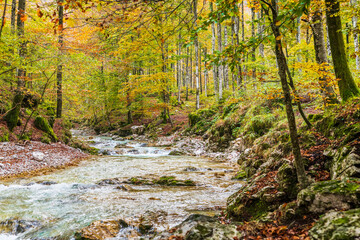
point(277, 23)
point(278, 37)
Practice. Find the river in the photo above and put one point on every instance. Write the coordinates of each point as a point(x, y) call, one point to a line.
point(65, 201)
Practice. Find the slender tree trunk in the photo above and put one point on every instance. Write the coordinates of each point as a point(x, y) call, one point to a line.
point(196, 45)
point(179, 71)
point(328, 92)
point(191, 70)
point(59, 74)
point(226, 67)
point(213, 46)
point(261, 28)
point(13, 16)
point(187, 74)
point(282, 68)
point(3, 18)
point(206, 75)
point(253, 56)
point(239, 76)
point(347, 85)
point(243, 39)
point(220, 64)
point(12, 117)
point(356, 36)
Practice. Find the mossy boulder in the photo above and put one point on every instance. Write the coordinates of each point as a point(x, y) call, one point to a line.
point(252, 202)
point(42, 124)
point(201, 120)
point(345, 162)
point(321, 197)
point(286, 177)
point(201, 227)
point(12, 117)
point(343, 225)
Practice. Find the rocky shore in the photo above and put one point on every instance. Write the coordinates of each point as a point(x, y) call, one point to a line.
point(32, 157)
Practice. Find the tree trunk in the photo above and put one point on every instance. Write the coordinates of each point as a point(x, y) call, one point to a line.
point(13, 16)
point(356, 36)
point(187, 74)
point(220, 62)
point(213, 42)
point(206, 75)
point(179, 71)
point(226, 67)
point(328, 92)
point(253, 56)
point(59, 75)
point(347, 85)
point(12, 117)
point(3, 18)
point(282, 69)
point(196, 45)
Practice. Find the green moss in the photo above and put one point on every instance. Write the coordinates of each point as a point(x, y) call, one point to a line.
point(240, 175)
point(4, 135)
point(42, 124)
point(45, 139)
point(12, 117)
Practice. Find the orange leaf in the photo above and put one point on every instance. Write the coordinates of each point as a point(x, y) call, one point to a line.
point(39, 13)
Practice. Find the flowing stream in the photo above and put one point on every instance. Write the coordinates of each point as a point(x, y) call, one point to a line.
point(67, 200)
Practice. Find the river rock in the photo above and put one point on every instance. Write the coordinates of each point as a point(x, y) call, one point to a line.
point(38, 156)
point(138, 130)
point(101, 230)
point(321, 197)
point(16, 226)
point(201, 227)
point(176, 153)
point(337, 226)
point(112, 181)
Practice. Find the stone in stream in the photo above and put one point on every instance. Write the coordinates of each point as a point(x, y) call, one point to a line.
point(201, 227)
point(100, 230)
point(17, 226)
point(138, 130)
point(176, 153)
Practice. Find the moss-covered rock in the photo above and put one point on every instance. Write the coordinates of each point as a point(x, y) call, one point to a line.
point(250, 202)
point(45, 139)
point(12, 117)
point(43, 124)
point(337, 226)
point(321, 197)
point(286, 177)
point(200, 227)
point(345, 162)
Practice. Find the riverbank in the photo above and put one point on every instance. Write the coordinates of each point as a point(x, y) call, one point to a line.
point(35, 158)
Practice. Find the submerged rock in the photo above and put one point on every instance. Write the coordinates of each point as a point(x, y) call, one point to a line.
point(16, 226)
point(337, 226)
point(321, 197)
point(100, 230)
point(176, 153)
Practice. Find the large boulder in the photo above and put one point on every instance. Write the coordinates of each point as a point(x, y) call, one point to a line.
point(286, 177)
point(201, 227)
point(321, 197)
point(100, 230)
point(345, 162)
point(138, 130)
point(254, 200)
point(337, 226)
